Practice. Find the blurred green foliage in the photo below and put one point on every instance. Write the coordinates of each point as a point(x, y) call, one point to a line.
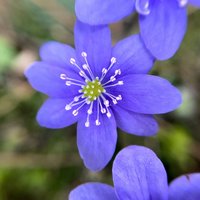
point(38, 163)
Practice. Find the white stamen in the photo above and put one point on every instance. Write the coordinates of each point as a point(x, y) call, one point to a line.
point(72, 61)
point(68, 107)
point(182, 3)
point(118, 83)
point(104, 71)
point(112, 78)
point(84, 54)
point(87, 124)
point(97, 122)
point(114, 98)
point(63, 76)
point(75, 112)
point(72, 79)
point(69, 83)
point(103, 110)
point(87, 66)
point(142, 6)
point(90, 109)
point(108, 114)
point(81, 72)
point(119, 97)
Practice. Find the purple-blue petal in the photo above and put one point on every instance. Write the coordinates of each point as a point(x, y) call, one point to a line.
point(163, 28)
point(96, 144)
point(93, 191)
point(46, 79)
point(57, 54)
point(147, 94)
point(135, 123)
point(138, 174)
point(96, 42)
point(53, 115)
point(97, 12)
point(132, 56)
point(194, 2)
point(186, 187)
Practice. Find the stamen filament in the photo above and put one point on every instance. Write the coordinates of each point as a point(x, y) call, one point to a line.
point(69, 83)
point(97, 122)
point(105, 71)
point(87, 66)
point(118, 83)
point(81, 72)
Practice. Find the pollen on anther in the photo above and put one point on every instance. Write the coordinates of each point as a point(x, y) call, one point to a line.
point(113, 60)
point(68, 107)
point(63, 76)
point(75, 112)
point(97, 122)
point(84, 54)
point(72, 61)
point(87, 124)
point(120, 82)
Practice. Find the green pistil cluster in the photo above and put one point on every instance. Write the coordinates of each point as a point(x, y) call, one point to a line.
point(93, 89)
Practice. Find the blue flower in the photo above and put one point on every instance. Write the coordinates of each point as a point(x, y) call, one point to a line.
point(138, 174)
point(101, 88)
point(162, 23)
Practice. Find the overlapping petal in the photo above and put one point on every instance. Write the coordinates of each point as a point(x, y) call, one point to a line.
point(45, 78)
point(96, 42)
point(138, 174)
point(186, 187)
point(57, 54)
point(135, 123)
point(93, 191)
point(96, 144)
point(147, 94)
point(52, 114)
point(132, 56)
point(97, 12)
point(163, 28)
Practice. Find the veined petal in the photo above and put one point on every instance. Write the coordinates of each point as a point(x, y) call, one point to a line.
point(57, 54)
point(135, 123)
point(163, 28)
point(97, 12)
point(93, 191)
point(194, 2)
point(185, 187)
point(46, 79)
point(132, 56)
point(138, 174)
point(96, 144)
point(96, 42)
point(52, 114)
point(147, 94)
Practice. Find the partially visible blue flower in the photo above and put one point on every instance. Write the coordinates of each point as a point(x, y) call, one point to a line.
point(138, 174)
point(163, 23)
point(186, 187)
point(100, 87)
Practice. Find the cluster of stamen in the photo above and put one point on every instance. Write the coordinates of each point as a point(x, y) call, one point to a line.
point(93, 89)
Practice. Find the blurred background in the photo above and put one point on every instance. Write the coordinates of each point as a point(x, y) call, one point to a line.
point(38, 163)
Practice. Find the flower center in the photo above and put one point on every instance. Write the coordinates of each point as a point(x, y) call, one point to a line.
point(92, 90)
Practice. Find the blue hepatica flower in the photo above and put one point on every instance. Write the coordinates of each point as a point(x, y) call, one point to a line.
point(162, 22)
point(100, 87)
point(138, 174)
